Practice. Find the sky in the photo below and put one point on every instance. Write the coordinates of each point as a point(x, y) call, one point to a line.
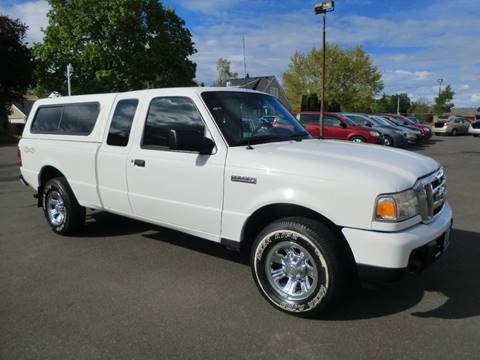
point(414, 43)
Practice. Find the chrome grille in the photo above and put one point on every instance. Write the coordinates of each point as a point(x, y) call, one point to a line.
point(431, 191)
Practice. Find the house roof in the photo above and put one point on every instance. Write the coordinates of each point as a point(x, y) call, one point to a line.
point(25, 106)
point(259, 83)
point(465, 111)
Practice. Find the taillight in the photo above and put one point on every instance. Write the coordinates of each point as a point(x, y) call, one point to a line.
point(445, 124)
point(19, 156)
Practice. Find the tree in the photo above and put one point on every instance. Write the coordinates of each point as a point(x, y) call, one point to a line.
point(389, 104)
point(224, 72)
point(16, 65)
point(351, 83)
point(443, 102)
point(114, 45)
point(421, 107)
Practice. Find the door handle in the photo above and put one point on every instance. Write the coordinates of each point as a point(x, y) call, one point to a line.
point(139, 163)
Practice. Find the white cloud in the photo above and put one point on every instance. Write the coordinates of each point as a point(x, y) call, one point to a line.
point(464, 87)
point(215, 7)
point(33, 13)
point(475, 98)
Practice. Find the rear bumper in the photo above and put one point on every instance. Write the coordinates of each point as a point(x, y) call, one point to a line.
point(473, 131)
point(396, 253)
point(440, 130)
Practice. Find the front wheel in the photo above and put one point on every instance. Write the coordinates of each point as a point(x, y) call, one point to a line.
point(358, 139)
point(475, 135)
point(61, 208)
point(388, 141)
point(299, 266)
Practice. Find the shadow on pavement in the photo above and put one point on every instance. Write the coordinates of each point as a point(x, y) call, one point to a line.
point(455, 275)
point(424, 145)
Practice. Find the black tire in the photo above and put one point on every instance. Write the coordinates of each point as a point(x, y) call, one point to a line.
point(475, 135)
point(358, 139)
point(454, 132)
point(73, 218)
point(330, 256)
point(388, 141)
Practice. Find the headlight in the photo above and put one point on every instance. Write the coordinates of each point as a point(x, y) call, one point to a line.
point(374, 133)
point(397, 207)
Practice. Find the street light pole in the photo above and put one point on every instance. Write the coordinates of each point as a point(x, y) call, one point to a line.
point(440, 82)
point(323, 8)
point(69, 74)
point(322, 95)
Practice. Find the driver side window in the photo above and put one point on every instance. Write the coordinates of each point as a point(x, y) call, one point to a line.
point(332, 121)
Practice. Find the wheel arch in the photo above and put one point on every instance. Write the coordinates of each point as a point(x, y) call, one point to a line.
point(272, 212)
point(46, 173)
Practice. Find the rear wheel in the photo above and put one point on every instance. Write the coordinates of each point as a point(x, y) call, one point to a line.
point(300, 266)
point(61, 208)
point(475, 135)
point(454, 132)
point(388, 141)
point(358, 139)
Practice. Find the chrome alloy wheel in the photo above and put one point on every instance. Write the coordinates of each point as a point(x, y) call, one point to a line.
point(55, 208)
point(291, 271)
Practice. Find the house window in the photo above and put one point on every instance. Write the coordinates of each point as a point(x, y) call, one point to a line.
point(274, 91)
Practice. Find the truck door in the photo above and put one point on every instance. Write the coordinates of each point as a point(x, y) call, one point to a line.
point(112, 156)
point(175, 188)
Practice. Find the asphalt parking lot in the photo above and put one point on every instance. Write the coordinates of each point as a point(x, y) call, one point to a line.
point(129, 290)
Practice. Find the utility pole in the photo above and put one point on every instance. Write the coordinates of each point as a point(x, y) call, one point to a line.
point(69, 74)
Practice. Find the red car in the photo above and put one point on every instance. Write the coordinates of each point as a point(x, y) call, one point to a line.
point(426, 131)
point(337, 126)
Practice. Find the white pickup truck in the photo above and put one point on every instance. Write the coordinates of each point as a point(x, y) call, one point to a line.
point(234, 167)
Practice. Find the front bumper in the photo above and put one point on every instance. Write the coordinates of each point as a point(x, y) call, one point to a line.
point(398, 251)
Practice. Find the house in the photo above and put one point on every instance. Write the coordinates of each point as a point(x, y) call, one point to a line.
point(19, 112)
point(268, 84)
point(470, 113)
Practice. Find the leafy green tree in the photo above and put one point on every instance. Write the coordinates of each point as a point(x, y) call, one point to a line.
point(389, 104)
point(114, 45)
point(16, 65)
point(421, 107)
point(224, 72)
point(352, 80)
point(443, 102)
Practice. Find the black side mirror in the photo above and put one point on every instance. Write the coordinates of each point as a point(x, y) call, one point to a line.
point(190, 140)
point(343, 125)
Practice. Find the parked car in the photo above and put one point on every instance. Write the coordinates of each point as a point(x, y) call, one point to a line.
point(453, 125)
point(414, 135)
point(338, 127)
point(474, 128)
point(426, 131)
point(182, 158)
point(391, 136)
point(413, 119)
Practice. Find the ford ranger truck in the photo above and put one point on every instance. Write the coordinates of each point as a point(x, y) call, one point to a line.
point(235, 167)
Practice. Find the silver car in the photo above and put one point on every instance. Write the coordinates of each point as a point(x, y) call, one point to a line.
point(453, 125)
point(474, 128)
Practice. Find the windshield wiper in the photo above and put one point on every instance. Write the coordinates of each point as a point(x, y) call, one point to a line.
point(297, 136)
point(258, 139)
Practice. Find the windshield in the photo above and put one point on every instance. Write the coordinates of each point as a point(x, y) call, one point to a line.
point(252, 118)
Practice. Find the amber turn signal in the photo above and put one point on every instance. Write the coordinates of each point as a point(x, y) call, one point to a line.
point(386, 209)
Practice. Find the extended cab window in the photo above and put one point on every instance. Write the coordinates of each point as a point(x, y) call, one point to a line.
point(47, 119)
point(69, 119)
point(170, 113)
point(119, 132)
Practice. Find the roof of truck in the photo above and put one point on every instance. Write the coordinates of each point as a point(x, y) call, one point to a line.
point(99, 97)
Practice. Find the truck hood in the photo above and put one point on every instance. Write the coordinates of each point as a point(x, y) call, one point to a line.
point(385, 169)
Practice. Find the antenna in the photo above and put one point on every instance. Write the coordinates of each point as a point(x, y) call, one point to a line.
point(244, 60)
